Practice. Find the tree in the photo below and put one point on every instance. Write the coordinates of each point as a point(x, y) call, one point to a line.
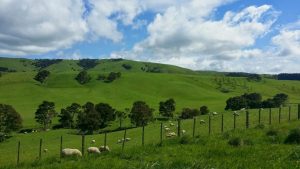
point(88, 119)
point(45, 113)
point(83, 77)
point(41, 76)
point(10, 119)
point(280, 99)
point(121, 115)
point(141, 114)
point(167, 108)
point(113, 76)
point(204, 110)
point(188, 113)
point(66, 117)
point(106, 114)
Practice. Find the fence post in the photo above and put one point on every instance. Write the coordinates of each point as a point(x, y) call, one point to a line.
point(194, 127)
point(105, 139)
point(222, 123)
point(247, 119)
point(82, 144)
point(234, 121)
point(209, 124)
point(143, 135)
point(18, 154)
point(40, 151)
point(124, 138)
point(259, 116)
point(279, 115)
point(178, 128)
point(60, 148)
point(298, 111)
point(161, 133)
point(290, 108)
point(270, 116)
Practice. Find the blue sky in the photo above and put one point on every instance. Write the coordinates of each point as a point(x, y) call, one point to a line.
point(224, 35)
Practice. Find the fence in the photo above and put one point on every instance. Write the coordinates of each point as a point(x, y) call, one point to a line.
point(157, 133)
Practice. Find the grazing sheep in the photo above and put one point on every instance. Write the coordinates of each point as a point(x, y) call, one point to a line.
point(165, 126)
point(202, 122)
point(172, 124)
point(120, 141)
point(243, 109)
point(25, 132)
point(171, 134)
point(104, 149)
point(167, 129)
point(183, 131)
point(214, 113)
point(45, 150)
point(69, 152)
point(236, 113)
point(93, 150)
point(127, 139)
point(93, 141)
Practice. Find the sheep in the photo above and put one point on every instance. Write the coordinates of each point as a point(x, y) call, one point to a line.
point(236, 113)
point(172, 124)
point(165, 126)
point(104, 149)
point(45, 150)
point(25, 132)
point(183, 131)
point(120, 141)
point(214, 113)
point(127, 139)
point(68, 152)
point(93, 141)
point(202, 122)
point(93, 150)
point(167, 129)
point(171, 134)
point(243, 109)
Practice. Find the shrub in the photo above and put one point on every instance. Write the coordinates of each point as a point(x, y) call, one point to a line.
point(188, 113)
point(41, 76)
point(236, 142)
point(185, 139)
point(293, 137)
point(272, 132)
point(126, 66)
point(204, 110)
point(83, 77)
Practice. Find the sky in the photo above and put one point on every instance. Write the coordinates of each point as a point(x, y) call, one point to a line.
point(257, 36)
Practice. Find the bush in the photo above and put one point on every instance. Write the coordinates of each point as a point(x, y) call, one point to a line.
point(41, 76)
point(236, 142)
point(293, 137)
point(188, 113)
point(126, 66)
point(185, 139)
point(204, 110)
point(272, 132)
point(83, 77)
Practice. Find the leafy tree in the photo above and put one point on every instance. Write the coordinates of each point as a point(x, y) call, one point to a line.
point(126, 66)
point(113, 76)
point(167, 108)
point(204, 110)
point(83, 77)
point(10, 119)
point(188, 113)
point(43, 63)
point(87, 63)
point(66, 117)
point(45, 113)
point(121, 115)
point(269, 103)
point(41, 76)
point(141, 114)
point(88, 119)
point(106, 114)
point(280, 99)
point(252, 100)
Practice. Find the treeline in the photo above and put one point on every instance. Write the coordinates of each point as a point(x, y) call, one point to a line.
point(254, 101)
point(249, 76)
point(43, 63)
point(288, 76)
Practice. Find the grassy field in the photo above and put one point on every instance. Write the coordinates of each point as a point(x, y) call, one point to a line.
point(188, 88)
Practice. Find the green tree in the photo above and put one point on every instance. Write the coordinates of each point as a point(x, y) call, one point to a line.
point(10, 119)
point(167, 108)
point(45, 113)
point(41, 76)
point(66, 116)
point(106, 113)
point(280, 99)
point(188, 113)
point(88, 119)
point(141, 114)
point(121, 115)
point(83, 77)
point(204, 110)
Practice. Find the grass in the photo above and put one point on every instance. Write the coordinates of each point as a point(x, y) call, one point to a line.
point(188, 88)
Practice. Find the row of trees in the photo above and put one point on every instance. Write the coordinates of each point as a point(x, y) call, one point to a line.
point(254, 101)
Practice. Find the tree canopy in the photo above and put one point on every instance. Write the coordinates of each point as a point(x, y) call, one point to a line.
point(41, 76)
point(45, 113)
point(141, 114)
point(10, 119)
point(83, 77)
point(167, 108)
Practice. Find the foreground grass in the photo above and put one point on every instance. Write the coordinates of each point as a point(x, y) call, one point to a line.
point(261, 151)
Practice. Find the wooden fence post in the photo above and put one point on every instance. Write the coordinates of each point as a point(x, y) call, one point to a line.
point(222, 123)
point(247, 119)
point(234, 121)
point(209, 124)
point(143, 135)
point(60, 148)
point(18, 154)
point(178, 128)
point(270, 116)
point(290, 109)
point(279, 115)
point(124, 138)
point(194, 127)
point(40, 150)
point(259, 116)
point(298, 111)
point(161, 133)
point(105, 139)
point(82, 144)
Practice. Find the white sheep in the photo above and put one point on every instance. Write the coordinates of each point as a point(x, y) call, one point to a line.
point(127, 139)
point(167, 129)
point(202, 122)
point(214, 113)
point(172, 124)
point(165, 126)
point(93, 150)
point(183, 131)
point(236, 113)
point(68, 152)
point(45, 150)
point(120, 141)
point(93, 141)
point(104, 149)
point(171, 134)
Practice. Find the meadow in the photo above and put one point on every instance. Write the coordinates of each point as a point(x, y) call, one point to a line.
point(188, 88)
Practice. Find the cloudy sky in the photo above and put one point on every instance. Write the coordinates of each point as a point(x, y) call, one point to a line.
point(225, 35)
